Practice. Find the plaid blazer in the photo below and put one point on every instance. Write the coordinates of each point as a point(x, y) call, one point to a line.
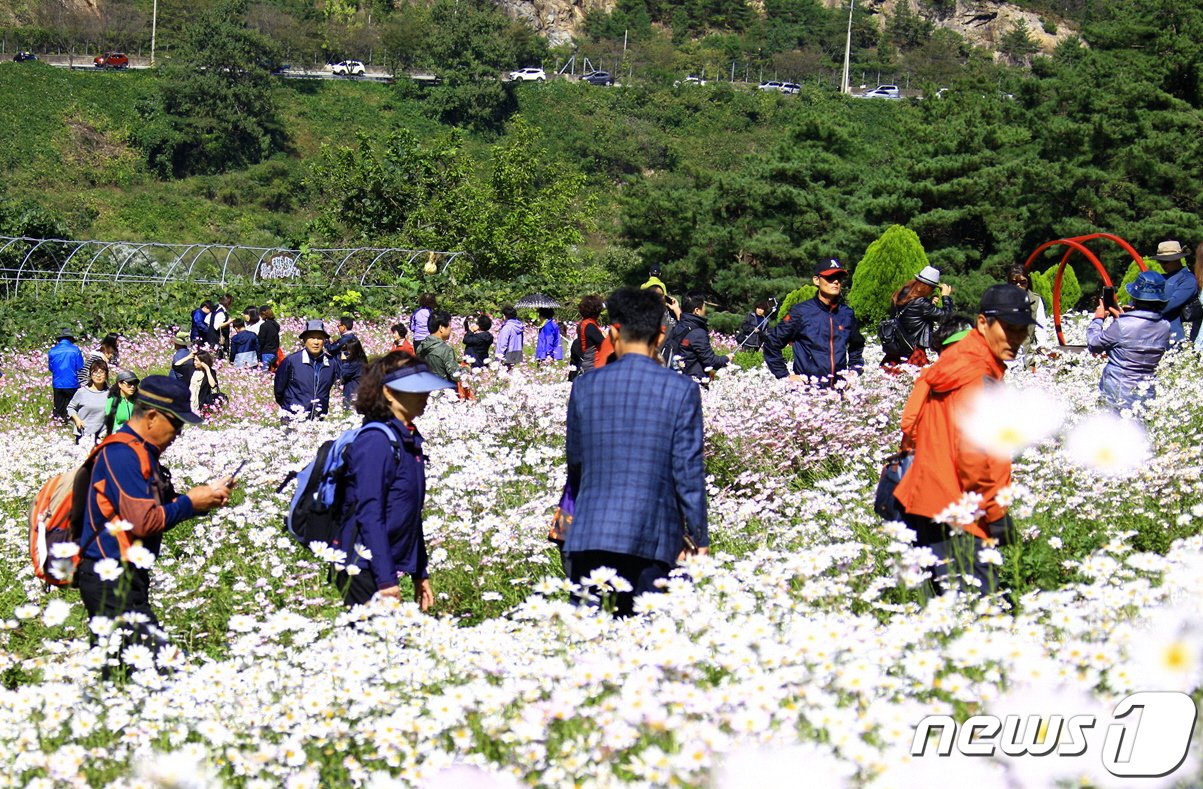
point(635, 459)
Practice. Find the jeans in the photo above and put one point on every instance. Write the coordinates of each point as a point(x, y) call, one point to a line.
point(267, 360)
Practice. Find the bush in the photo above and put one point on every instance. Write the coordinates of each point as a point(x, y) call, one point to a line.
point(889, 263)
point(725, 322)
point(1071, 291)
point(796, 297)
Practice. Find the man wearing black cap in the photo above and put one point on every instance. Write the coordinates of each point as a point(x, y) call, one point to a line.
point(131, 502)
point(65, 360)
point(823, 330)
point(304, 378)
point(946, 466)
point(1180, 285)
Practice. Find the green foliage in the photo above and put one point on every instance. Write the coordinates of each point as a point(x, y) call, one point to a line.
point(804, 293)
point(522, 216)
point(967, 289)
point(215, 111)
point(1017, 43)
point(889, 263)
point(1121, 289)
point(1071, 290)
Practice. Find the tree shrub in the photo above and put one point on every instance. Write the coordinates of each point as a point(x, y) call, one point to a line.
point(798, 296)
point(889, 262)
point(1071, 291)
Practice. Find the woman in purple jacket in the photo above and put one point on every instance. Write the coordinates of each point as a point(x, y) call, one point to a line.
point(509, 339)
point(1134, 342)
point(549, 346)
point(386, 484)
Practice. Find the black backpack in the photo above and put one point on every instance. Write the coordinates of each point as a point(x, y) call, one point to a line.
point(893, 339)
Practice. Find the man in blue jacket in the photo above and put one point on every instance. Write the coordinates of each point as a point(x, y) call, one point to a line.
point(131, 503)
point(65, 361)
point(825, 336)
point(634, 458)
point(690, 343)
point(304, 379)
point(1180, 285)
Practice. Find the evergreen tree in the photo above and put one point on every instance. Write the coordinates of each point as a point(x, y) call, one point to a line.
point(214, 110)
point(889, 263)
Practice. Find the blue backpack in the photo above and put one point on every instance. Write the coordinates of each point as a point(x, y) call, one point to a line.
point(315, 514)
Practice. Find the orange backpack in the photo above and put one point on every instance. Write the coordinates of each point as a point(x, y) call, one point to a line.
point(57, 513)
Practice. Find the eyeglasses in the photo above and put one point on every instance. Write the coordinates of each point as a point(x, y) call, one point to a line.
point(840, 278)
point(1019, 280)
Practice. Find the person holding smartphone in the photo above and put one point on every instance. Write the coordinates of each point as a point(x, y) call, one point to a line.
point(1134, 342)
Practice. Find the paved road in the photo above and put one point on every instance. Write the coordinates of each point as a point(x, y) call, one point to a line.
point(135, 64)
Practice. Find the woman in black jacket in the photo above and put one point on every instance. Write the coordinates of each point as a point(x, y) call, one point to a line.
point(915, 310)
point(352, 361)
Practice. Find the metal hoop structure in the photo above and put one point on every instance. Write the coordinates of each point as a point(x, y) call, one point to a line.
point(1077, 244)
point(63, 262)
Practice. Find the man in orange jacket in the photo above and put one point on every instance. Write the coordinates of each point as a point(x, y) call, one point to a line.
point(946, 466)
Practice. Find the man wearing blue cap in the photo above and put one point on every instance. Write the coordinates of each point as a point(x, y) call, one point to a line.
point(304, 378)
point(825, 336)
point(1134, 342)
point(131, 502)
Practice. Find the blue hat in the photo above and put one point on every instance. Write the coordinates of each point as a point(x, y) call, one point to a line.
point(415, 378)
point(829, 267)
point(315, 327)
point(167, 395)
point(1149, 286)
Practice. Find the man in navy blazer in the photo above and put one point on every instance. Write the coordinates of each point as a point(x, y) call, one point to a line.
point(634, 457)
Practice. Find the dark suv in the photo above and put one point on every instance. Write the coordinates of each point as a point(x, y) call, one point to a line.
point(24, 57)
point(601, 78)
point(111, 60)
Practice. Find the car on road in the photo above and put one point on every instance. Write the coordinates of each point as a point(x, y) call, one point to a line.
point(530, 74)
point(773, 85)
point(348, 68)
point(690, 81)
point(790, 88)
point(601, 78)
point(882, 92)
point(111, 60)
point(24, 57)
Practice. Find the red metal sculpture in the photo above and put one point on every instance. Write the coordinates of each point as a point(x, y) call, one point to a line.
point(1077, 244)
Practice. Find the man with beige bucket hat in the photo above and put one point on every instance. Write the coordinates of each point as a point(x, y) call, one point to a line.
point(1180, 285)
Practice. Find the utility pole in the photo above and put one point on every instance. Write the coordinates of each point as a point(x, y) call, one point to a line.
point(154, 19)
point(844, 86)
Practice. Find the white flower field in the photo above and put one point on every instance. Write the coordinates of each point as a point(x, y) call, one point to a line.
point(797, 654)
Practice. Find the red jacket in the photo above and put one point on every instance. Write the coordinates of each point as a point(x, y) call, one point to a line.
point(946, 465)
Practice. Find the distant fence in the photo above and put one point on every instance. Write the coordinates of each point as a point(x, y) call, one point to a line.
point(60, 262)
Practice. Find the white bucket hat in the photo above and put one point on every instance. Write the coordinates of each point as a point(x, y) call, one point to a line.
point(930, 275)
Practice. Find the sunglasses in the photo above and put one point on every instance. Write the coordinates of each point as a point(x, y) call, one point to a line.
point(840, 278)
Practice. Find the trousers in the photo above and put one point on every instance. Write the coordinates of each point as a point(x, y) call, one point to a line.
point(639, 572)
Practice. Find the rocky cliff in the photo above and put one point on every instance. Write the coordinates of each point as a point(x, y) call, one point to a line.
point(982, 22)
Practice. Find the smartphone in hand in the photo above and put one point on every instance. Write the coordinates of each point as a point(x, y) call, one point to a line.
point(1109, 299)
point(233, 475)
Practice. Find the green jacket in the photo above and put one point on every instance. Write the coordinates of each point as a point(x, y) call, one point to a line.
point(439, 357)
point(117, 412)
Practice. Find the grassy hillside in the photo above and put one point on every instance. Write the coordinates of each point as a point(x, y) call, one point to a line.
point(68, 147)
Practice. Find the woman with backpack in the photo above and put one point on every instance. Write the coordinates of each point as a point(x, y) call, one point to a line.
point(120, 405)
point(385, 484)
point(589, 337)
point(915, 316)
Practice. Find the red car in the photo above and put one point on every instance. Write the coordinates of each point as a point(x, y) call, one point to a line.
point(111, 60)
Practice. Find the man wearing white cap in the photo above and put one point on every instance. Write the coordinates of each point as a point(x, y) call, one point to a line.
point(1180, 285)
